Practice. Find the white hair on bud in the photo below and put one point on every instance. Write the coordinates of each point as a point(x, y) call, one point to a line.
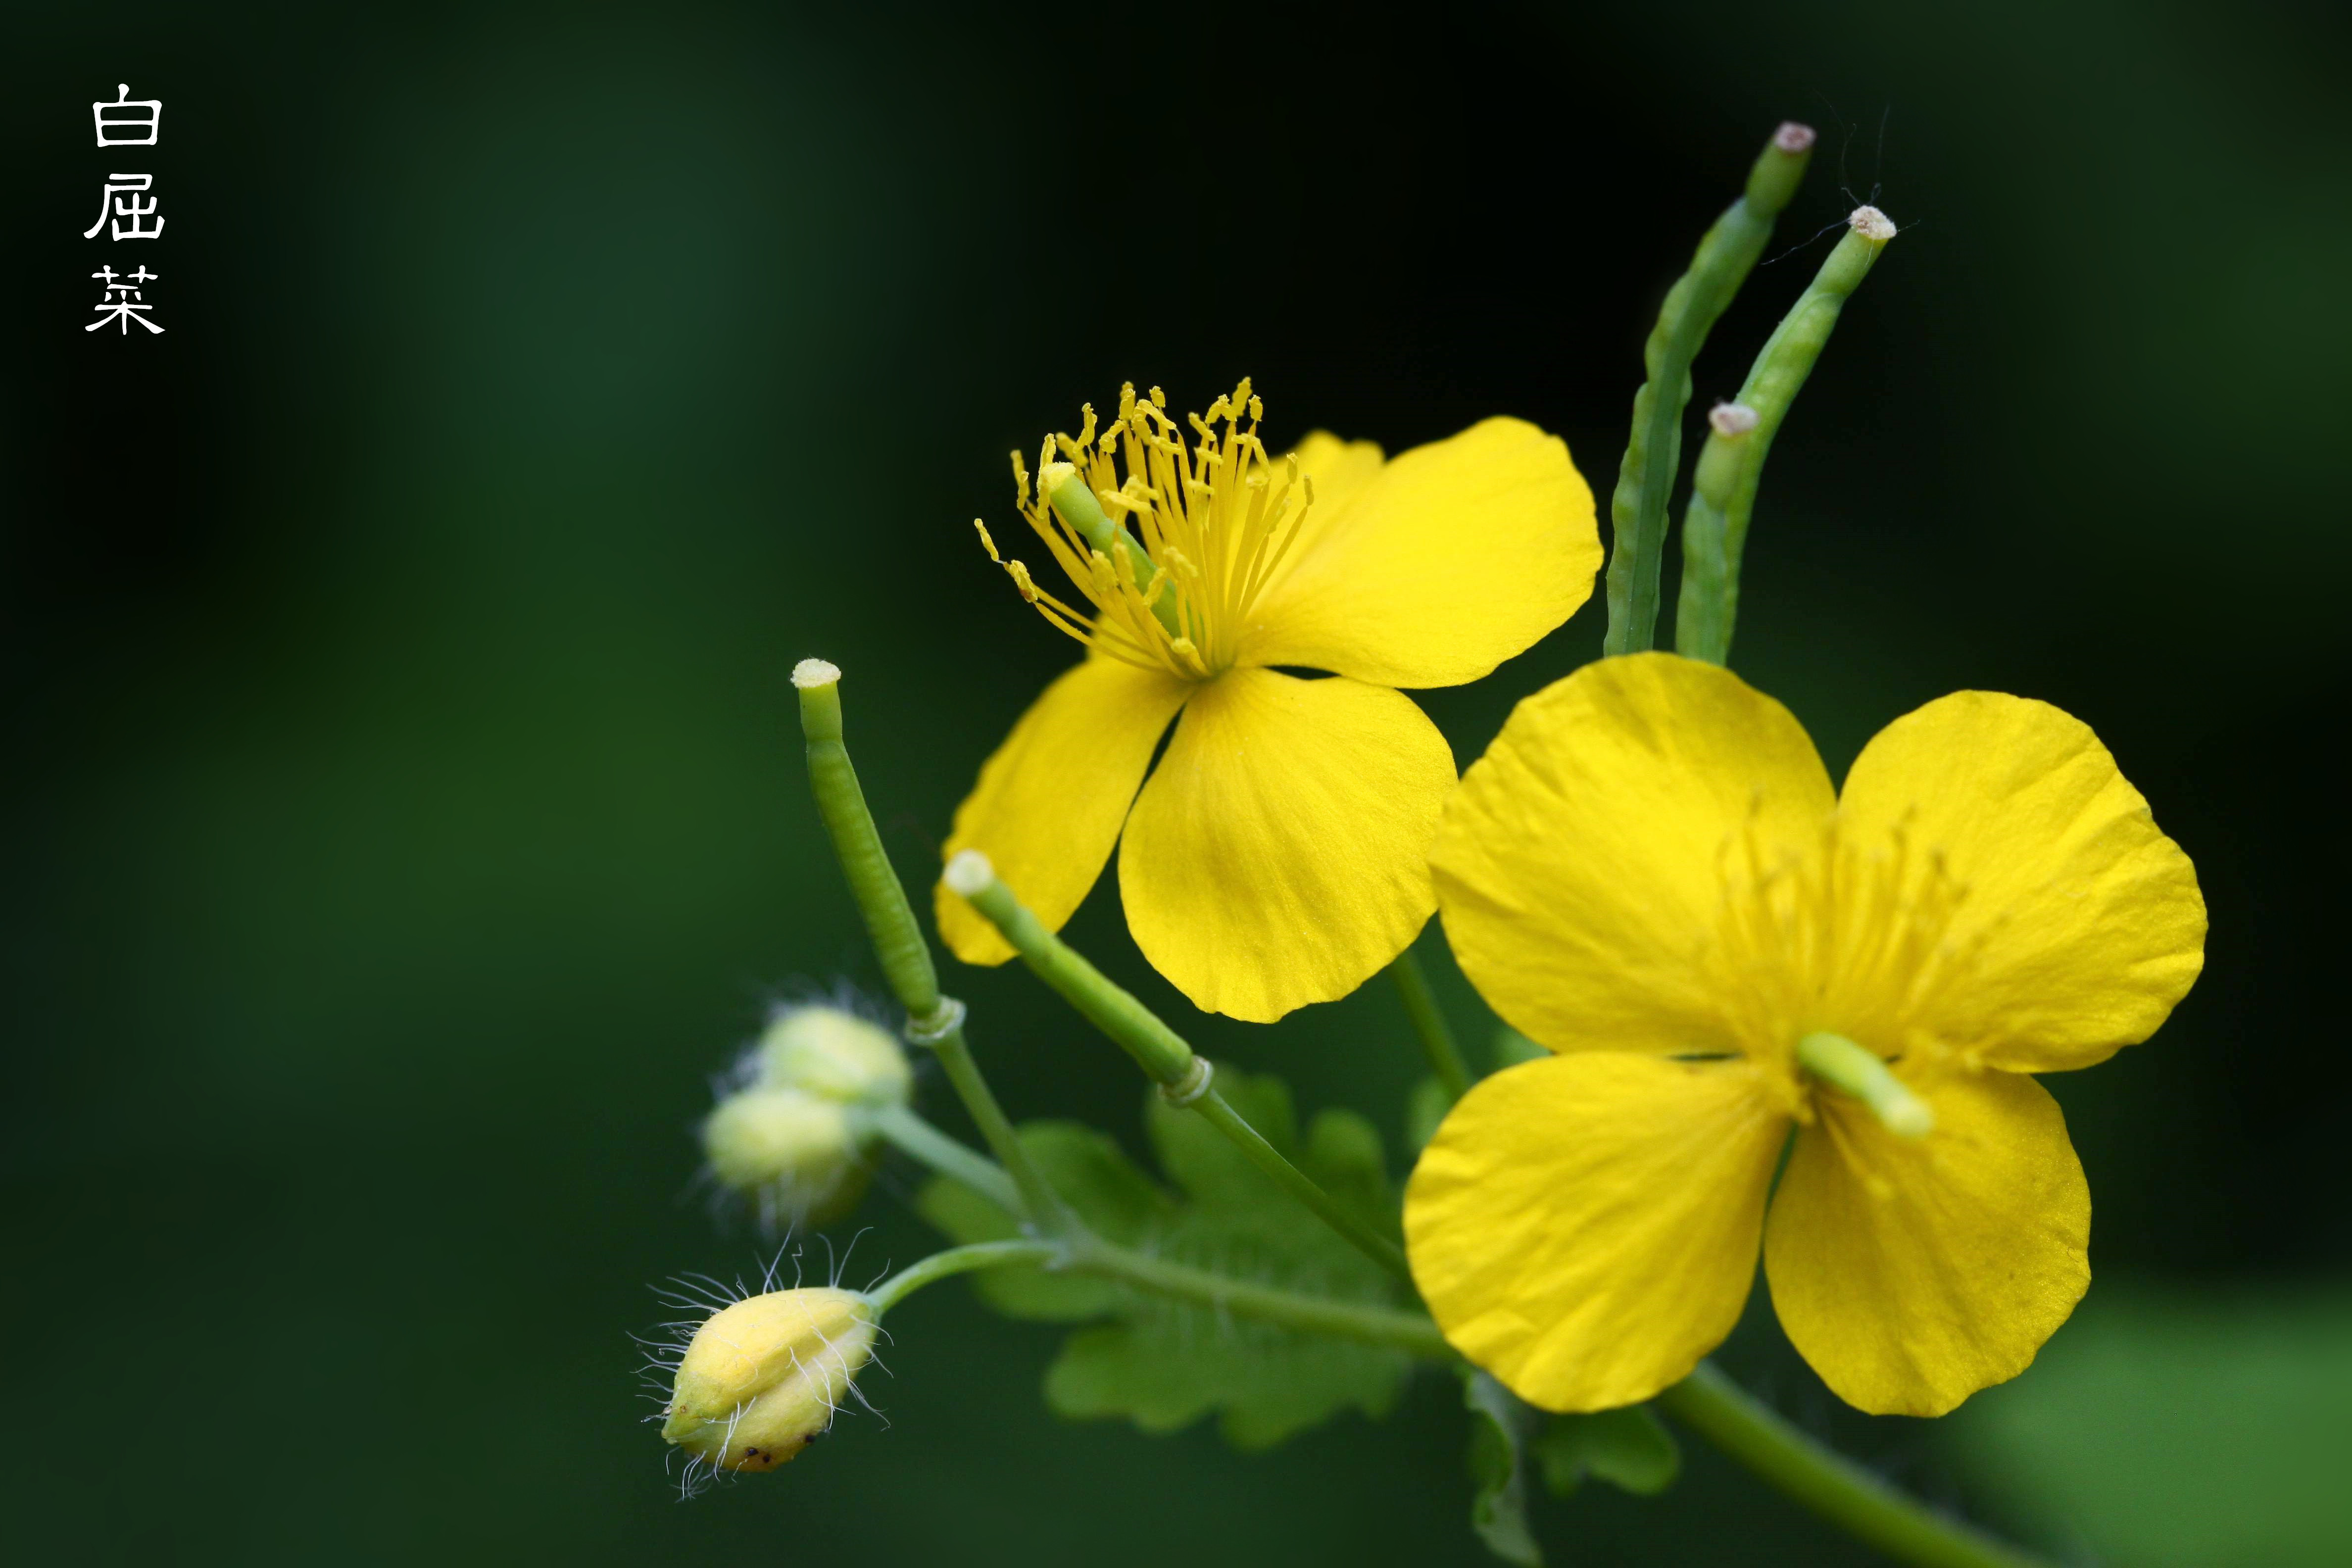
point(967, 874)
point(813, 672)
point(1871, 224)
point(1728, 419)
point(1793, 137)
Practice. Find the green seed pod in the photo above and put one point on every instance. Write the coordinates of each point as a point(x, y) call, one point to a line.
point(761, 1380)
point(800, 1158)
point(834, 1054)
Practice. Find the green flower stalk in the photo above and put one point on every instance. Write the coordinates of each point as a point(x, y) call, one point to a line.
point(899, 944)
point(1185, 1079)
point(1653, 450)
point(932, 1020)
point(1730, 467)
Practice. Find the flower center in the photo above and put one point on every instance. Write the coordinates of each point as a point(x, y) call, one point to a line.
point(1847, 938)
point(1213, 523)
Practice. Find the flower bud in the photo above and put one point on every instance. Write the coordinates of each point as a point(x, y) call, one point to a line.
point(800, 1157)
point(833, 1054)
point(761, 1379)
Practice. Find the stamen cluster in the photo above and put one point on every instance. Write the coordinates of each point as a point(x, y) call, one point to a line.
point(1213, 523)
point(1845, 935)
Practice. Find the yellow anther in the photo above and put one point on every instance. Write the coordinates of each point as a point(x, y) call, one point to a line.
point(1201, 524)
point(985, 541)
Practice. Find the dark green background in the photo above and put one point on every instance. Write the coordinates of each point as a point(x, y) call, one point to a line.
point(404, 813)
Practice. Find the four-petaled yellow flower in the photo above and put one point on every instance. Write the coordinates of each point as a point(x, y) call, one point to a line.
point(1650, 874)
point(1279, 854)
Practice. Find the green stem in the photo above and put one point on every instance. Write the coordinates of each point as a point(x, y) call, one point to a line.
point(1828, 1483)
point(1219, 1113)
point(898, 944)
point(1159, 1050)
point(1402, 1330)
point(1043, 1204)
point(1653, 450)
point(910, 1134)
point(1429, 1024)
point(932, 1020)
point(958, 1260)
point(1723, 490)
point(1396, 1328)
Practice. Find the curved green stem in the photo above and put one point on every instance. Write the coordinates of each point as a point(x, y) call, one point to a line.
point(910, 1134)
point(1833, 1486)
point(932, 1020)
point(958, 1260)
point(1653, 450)
point(1722, 489)
point(1159, 1050)
point(1395, 1327)
point(1429, 1024)
point(1218, 1113)
point(898, 944)
point(1044, 1207)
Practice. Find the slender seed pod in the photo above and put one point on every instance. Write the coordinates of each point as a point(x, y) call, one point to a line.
point(1654, 449)
point(1731, 466)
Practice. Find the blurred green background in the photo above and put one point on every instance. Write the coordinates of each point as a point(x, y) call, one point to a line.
point(407, 815)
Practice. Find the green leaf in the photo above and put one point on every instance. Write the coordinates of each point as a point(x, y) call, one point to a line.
point(1628, 1448)
point(1500, 1425)
point(2180, 1428)
point(1165, 1364)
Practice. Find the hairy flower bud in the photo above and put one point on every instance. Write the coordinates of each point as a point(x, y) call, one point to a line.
point(834, 1054)
point(761, 1379)
point(797, 1155)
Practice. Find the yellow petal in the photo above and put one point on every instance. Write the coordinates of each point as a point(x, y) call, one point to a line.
point(1447, 562)
point(1280, 854)
point(1911, 1273)
point(1049, 803)
point(1336, 468)
point(1581, 863)
point(2080, 922)
point(1585, 1227)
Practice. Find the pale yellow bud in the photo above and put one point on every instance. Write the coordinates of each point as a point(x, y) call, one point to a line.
point(797, 1155)
point(834, 1054)
point(761, 1380)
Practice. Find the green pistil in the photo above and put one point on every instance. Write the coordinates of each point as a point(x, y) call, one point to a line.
point(1861, 1073)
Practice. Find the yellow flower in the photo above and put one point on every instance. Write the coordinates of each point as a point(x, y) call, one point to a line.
point(1279, 854)
point(1650, 874)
